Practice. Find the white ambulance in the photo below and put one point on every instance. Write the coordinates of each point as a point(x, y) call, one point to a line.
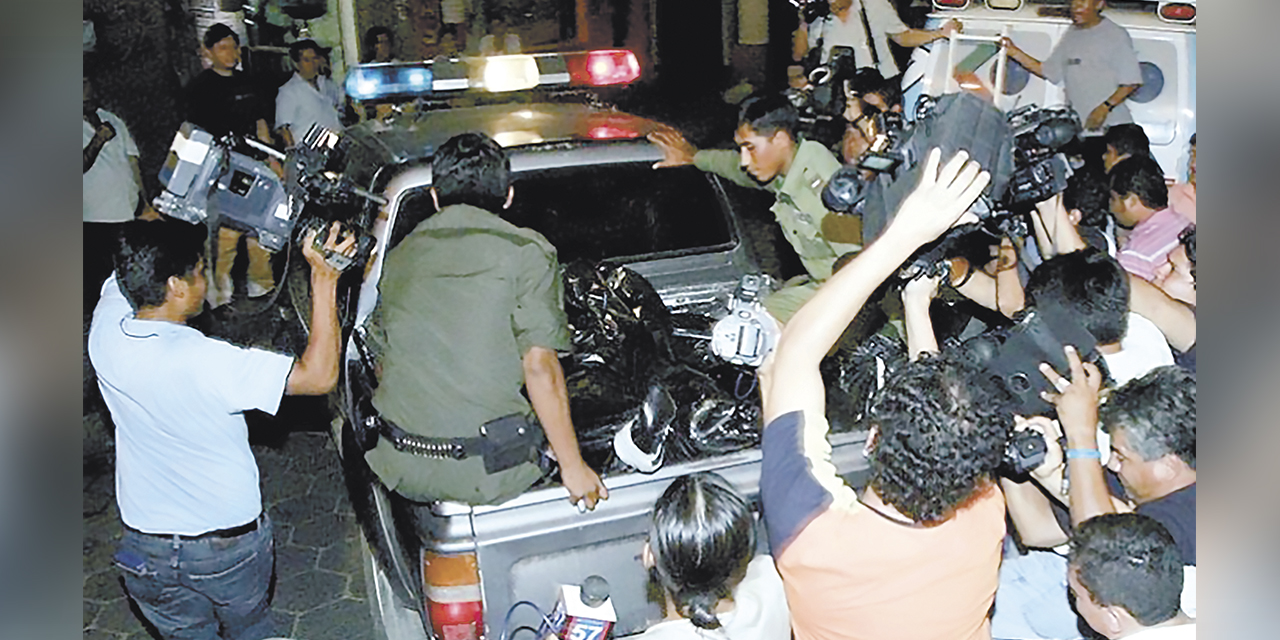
point(1164, 35)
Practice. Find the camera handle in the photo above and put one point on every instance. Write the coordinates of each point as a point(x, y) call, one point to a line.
point(282, 157)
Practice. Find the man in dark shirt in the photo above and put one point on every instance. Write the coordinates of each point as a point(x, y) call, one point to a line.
point(224, 101)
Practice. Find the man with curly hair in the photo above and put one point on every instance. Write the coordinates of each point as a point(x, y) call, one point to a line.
point(914, 554)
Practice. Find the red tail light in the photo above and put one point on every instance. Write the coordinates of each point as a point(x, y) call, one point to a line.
point(950, 4)
point(1178, 12)
point(603, 68)
point(454, 602)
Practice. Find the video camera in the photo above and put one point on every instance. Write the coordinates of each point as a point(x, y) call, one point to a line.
point(1022, 151)
point(210, 180)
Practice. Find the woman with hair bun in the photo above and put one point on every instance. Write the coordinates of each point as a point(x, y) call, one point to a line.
point(700, 550)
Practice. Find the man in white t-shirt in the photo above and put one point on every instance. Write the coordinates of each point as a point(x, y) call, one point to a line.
point(196, 553)
point(112, 188)
point(308, 98)
point(847, 26)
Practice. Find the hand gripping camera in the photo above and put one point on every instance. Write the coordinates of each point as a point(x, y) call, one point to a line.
point(206, 178)
point(748, 334)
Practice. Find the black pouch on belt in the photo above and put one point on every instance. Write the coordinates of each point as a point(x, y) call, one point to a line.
point(509, 441)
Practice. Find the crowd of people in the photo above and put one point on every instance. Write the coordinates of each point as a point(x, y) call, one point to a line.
point(941, 541)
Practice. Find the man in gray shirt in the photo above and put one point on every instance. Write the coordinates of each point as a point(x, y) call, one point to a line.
point(1095, 62)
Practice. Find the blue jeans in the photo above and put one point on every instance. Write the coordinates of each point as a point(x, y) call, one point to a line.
point(212, 588)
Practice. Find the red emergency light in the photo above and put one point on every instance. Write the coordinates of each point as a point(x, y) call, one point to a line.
point(1178, 12)
point(603, 67)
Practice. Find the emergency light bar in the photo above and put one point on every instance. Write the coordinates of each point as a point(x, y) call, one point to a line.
point(494, 74)
point(1177, 12)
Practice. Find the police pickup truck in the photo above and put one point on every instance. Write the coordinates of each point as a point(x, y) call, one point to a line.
point(1163, 33)
point(584, 180)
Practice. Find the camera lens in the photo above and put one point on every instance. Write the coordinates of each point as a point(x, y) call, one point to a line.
point(1019, 383)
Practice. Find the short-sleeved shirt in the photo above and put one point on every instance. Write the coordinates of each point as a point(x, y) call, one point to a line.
point(798, 206)
point(110, 191)
point(884, 22)
point(1091, 64)
point(852, 572)
point(300, 105)
point(177, 398)
point(1150, 243)
point(225, 105)
point(1176, 511)
point(463, 297)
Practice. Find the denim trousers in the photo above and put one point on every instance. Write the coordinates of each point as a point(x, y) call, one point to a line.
point(210, 588)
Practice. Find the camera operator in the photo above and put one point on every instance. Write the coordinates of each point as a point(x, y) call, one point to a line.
point(772, 156)
point(196, 553)
point(930, 522)
point(1140, 203)
point(866, 26)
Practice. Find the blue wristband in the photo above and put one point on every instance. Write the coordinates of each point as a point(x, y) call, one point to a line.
point(1084, 453)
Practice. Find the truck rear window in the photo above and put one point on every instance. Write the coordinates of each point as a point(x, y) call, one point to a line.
point(607, 211)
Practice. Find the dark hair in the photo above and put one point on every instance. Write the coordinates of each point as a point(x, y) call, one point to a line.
point(1087, 191)
point(296, 49)
point(1088, 284)
point(371, 41)
point(942, 424)
point(769, 113)
point(1128, 139)
point(150, 253)
point(471, 168)
point(702, 537)
point(1193, 139)
point(1141, 176)
point(1188, 239)
point(217, 33)
point(1129, 560)
point(1157, 413)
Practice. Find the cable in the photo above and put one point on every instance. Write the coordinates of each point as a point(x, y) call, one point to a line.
point(506, 621)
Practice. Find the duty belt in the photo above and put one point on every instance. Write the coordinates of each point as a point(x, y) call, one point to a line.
point(427, 446)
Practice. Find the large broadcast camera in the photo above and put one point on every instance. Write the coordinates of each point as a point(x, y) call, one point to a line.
point(210, 180)
point(1022, 151)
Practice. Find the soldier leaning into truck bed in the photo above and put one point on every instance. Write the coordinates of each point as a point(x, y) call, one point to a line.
point(471, 308)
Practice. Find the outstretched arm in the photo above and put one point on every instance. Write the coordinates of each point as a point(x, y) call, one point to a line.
point(544, 380)
point(917, 297)
point(1174, 319)
point(790, 380)
point(916, 37)
point(1023, 58)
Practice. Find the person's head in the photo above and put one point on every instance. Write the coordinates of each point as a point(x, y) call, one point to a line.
point(162, 262)
point(1087, 198)
point(1137, 190)
point(223, 46)
point(1087, 13)
point(378, 45)
point(1125, 141)
point(471, 168)
point(868, 84)
point(1177, 276)
point(1125, 573)
point(1152, 422)
point(766, 135)
point(308, 58)
point(1088, 284)
point(939, 429)
point(700, 541)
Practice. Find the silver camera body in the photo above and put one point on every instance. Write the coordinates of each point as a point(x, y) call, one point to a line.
point(749, 333)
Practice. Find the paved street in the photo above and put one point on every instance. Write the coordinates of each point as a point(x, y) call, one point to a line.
point(319, 591)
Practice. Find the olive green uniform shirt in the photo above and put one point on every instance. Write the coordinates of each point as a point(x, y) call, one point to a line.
point(463, 298)
point(798, 206)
